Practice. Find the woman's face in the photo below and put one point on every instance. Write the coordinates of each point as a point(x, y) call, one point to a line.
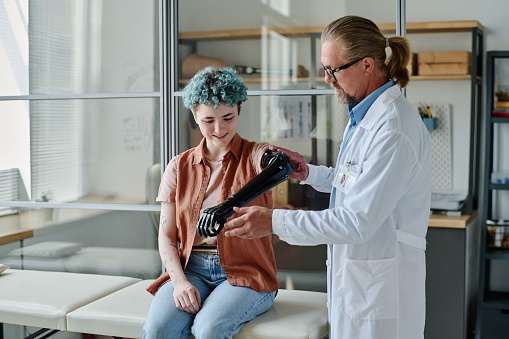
point(218, 126)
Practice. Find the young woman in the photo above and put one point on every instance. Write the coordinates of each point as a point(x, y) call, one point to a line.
point(212, 285)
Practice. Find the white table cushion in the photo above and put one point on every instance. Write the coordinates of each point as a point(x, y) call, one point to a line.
point(48, 249)
point(42, 299)
point(121, 314)
point(295, 314)
point(142, 263)
point(139, 263)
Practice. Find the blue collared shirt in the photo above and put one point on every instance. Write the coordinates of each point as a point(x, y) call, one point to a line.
point(358, 111)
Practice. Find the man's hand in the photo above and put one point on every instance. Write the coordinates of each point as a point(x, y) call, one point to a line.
point(253, 222)
point(300, 167)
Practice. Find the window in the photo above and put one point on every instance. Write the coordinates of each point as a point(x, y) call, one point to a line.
point(81, 125)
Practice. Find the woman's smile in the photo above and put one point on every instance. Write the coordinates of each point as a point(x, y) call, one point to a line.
point(218, 126)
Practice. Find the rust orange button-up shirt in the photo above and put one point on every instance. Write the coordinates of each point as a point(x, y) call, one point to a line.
point(246, 262)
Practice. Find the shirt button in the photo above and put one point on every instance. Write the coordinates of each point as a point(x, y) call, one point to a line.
point(327, 262)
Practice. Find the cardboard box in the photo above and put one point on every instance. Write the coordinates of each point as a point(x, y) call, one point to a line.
point(444, 69)
point(444, 57)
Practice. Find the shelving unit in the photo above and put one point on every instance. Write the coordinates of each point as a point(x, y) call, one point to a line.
point(314, 32)
point(192, 38)
point(304, 31)
point(492, 306)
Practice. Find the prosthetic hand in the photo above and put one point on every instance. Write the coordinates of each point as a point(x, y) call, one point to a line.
point(276, 169)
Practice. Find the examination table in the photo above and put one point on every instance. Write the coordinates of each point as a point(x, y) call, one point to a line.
point(117, 306)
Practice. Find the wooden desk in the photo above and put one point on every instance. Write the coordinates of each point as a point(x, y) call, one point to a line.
point(7, 236)
point(12, 229)
point(446, 221)
point(23, 225)
point(16, 227)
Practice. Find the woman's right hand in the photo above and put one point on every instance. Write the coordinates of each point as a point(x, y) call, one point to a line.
point(186, 296)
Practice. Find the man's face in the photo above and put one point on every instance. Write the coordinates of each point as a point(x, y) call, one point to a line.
point(347, 80)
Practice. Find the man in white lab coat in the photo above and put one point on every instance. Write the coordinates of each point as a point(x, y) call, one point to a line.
point(380, 190)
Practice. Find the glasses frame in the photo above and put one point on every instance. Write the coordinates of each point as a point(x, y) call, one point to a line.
point(331, 72)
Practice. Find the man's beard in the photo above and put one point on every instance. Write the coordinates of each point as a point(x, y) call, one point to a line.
point(343, 98)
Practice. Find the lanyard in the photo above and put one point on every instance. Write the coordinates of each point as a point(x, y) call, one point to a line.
point(349, 133)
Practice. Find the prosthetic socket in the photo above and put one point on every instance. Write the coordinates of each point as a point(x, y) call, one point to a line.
point(276, 169)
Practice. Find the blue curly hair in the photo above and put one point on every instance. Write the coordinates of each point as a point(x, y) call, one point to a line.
point(212, 86)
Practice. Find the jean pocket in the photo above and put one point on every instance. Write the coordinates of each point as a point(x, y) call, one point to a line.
point(369, 289)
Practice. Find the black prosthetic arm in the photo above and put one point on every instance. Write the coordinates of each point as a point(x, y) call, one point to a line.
point(276, 169)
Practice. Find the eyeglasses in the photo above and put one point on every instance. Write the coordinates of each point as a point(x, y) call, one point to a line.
point(331, 72)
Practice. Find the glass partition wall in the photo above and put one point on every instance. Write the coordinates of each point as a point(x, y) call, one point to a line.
point(275, 46)
point(91, 111)
point(80, 124)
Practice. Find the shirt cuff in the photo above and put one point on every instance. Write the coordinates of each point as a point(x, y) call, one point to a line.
point(278, 222)
point(312, 175)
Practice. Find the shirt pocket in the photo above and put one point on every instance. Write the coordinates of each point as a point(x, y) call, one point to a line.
point(369, 289)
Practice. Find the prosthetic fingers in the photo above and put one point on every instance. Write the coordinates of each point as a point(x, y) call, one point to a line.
point(276, 169)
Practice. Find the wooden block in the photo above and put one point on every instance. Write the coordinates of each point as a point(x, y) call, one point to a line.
point(412, 64)
point(443, 57)
point(444, 69)
point(280, 194)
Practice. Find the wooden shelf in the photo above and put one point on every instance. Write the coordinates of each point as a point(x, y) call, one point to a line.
point(250, 33)
point(442, 77)
point(304, 31)
point(436, 26)
point(253, 80)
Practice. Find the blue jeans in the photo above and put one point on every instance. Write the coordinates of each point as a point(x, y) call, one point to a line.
point(225, 308)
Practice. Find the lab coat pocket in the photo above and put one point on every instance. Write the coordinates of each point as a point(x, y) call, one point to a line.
point(369, 289)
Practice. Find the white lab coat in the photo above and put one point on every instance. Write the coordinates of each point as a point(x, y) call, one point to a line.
point(376, 231)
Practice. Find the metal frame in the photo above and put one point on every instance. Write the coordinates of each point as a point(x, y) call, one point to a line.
point(401, 24)
point(484, 299)
point(475, 120)
point(42, 333)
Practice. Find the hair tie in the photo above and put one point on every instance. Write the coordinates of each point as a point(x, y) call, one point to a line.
point(386, 42)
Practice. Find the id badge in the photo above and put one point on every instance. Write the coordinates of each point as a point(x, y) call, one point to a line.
point(345, 178)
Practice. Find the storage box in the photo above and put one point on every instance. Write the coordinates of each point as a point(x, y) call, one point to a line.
point(431, 123)
point(444, 69)
point(498, 233)
point(444, 57)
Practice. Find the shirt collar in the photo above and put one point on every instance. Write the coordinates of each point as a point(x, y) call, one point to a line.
point(235, 149)
point(358, 111)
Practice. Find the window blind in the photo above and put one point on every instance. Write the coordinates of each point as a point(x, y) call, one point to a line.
point(9, 189)
point(57, 40)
